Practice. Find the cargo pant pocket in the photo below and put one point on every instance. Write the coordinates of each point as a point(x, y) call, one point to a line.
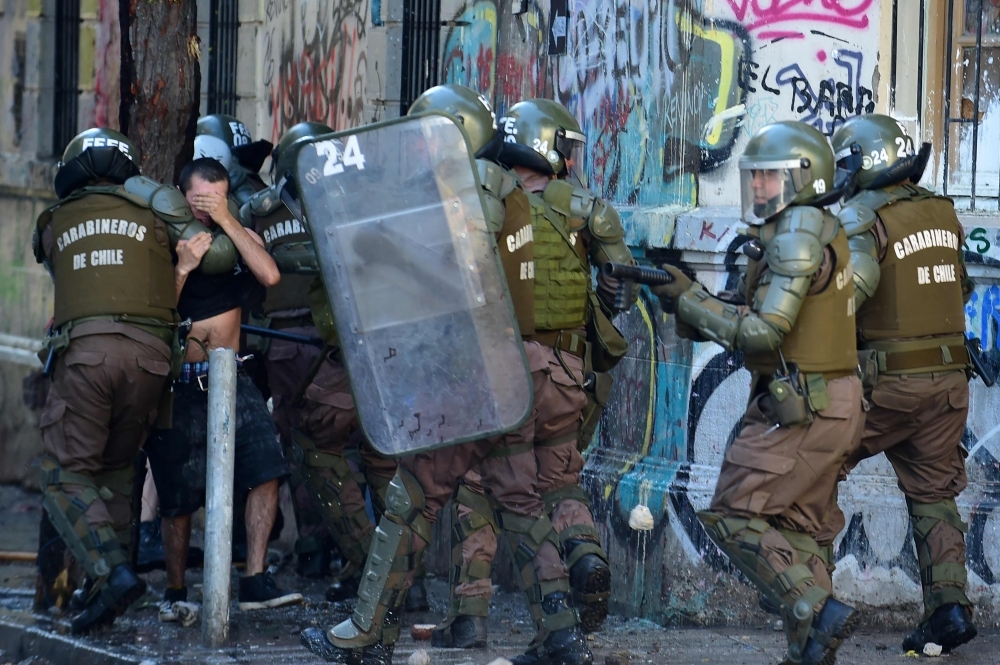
point(759, 469)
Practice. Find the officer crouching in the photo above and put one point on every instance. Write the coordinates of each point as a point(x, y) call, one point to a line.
point(210, 291)
point(107, 244)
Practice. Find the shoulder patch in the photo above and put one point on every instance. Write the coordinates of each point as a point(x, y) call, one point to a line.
point(796, 250)
point(856, 218)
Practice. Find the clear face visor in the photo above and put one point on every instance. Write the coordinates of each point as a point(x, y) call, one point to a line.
point(768, 187)
point(572, 146)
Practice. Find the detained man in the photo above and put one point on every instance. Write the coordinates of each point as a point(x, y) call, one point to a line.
point(177, 455)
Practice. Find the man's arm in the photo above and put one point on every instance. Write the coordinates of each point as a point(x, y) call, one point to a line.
point(248, 244)
point(189, 253)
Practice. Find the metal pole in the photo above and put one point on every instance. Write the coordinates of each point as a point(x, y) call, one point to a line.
point(219, 497)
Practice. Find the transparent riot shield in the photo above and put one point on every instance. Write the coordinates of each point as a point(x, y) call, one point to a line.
point(426, 326)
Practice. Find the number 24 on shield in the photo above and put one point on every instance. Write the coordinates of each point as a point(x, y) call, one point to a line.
point(335, 160)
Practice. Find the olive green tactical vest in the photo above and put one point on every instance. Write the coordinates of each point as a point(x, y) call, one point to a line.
point(562, 270)
point(109, 258)
point(920, 292)
point(278, 228)
point(517, 255)
point(822, 340)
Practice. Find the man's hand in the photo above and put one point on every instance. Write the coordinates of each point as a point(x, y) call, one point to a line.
point(190, 252)
point(669, 293)
point(216, 205)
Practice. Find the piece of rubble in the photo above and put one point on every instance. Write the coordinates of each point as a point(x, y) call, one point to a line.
point(500, 661)
point(932, 650)
point(419, 657)
point(620, 658)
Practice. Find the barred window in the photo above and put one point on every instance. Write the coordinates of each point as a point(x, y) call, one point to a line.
point(67, 64)
point(223, 30)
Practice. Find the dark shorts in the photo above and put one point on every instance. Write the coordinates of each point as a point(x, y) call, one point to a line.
point(177, 455)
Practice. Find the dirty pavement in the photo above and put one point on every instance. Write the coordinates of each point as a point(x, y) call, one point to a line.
point(272, 636)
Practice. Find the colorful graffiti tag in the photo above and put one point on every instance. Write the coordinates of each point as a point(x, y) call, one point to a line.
point(315, 63)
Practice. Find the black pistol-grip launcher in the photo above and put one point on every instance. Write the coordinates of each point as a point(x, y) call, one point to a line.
point(636, 275)
point(975, 349)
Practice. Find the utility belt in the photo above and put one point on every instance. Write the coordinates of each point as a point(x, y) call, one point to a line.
point(170, 334)
point(918, 356)
point(561, 340)
point(196, 373)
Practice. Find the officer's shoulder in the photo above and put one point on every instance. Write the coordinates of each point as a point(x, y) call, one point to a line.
point(856, 218)
point(796, 248)
point(165, 201)
point(496, 179)
point(570, 200)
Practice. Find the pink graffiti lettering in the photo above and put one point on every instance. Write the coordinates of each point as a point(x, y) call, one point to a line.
point(837, 12)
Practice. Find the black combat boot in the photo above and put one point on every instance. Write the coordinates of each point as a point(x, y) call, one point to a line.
point(590, 579)
point(416, 597)
point(119, 591)
point(316, 641)
point(566, 646)
point(462, 632)
point(833, 624)
point(950, 626)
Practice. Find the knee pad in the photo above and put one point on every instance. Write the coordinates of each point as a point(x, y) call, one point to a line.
point(405, 502)
point(98, 550)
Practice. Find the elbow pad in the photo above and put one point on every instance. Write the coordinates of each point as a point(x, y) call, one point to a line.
point(758, 335)
point(295, 258)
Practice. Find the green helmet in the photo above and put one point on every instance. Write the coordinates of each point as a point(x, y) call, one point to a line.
point(468, 106)
point(93, 154)
point(542, 135)
point(284, 154)
point(887, 153)
point(249, 153)
point(785, 163)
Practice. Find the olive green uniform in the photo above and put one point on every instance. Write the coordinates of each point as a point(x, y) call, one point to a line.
point(287, 364)
point(545, 251)
point(912, 328)
point(114, 308)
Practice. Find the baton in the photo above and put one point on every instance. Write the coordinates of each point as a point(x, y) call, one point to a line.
point(975, 348)
point(280, 334)
point(50, 362)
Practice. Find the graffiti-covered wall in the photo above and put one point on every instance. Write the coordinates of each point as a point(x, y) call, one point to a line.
point(668, 92)
point(313, 64)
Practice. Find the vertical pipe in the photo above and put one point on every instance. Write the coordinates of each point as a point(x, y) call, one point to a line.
point(895, 56)
point(219, 496)
point(949, 64)
point(920, 74)
point(975, 102)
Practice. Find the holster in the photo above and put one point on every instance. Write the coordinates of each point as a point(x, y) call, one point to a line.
point(597, 386)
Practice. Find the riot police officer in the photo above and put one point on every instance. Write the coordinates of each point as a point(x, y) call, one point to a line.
point(247, 155)
point(593, 232)
point(287, 364)
point(508, 465)
point(906, 249)
point(776, 489)
point(324, 430)
point(107, 244)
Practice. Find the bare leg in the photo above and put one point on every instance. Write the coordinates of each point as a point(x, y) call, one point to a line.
point(150, 499)
point(176, 538)
point(262, 508)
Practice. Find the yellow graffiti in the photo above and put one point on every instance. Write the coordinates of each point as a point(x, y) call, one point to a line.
point(648, 434)
point(727, 66)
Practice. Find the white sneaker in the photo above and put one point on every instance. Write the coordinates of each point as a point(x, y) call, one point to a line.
point(181, 611)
